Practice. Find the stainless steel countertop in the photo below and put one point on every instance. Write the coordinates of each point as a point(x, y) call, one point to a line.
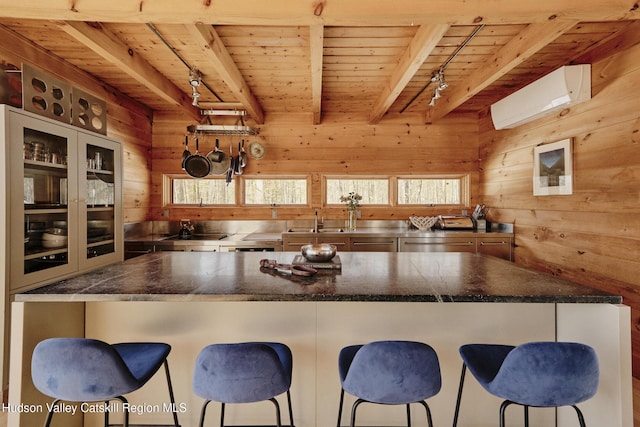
point(272, 238)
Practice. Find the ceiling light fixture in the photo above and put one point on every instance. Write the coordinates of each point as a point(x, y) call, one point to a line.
point(441, 84)
point(195, 79)
point(438, 76)
point(155, 31)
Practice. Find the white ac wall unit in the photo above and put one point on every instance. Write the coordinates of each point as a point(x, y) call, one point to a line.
point(566, 86)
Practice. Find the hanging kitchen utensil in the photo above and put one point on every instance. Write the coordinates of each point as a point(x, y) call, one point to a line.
point(186, 153)
point(232, 165)
point(238, 166)
point(256, 150)
point(243, 156)
point(197, 165)
point(222, 166)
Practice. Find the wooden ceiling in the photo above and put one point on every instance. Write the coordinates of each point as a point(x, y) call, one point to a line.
point(352, 57)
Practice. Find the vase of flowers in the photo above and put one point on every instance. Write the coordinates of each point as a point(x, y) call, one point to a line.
point(352, 201)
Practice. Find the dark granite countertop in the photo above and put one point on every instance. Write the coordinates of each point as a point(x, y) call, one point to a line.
point(365, 276)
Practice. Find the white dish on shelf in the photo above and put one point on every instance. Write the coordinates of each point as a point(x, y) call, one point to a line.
point(51, 241)
point(423, 222)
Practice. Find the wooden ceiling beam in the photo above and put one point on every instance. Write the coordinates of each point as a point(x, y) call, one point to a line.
point(519, 49)
point(218, 56)
point(419, 49)
point(110, 47)
point(309, 12)
point(316, 43)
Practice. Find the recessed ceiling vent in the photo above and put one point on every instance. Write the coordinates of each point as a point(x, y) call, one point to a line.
point(566, 86)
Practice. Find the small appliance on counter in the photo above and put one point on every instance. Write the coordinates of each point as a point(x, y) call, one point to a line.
point(185, 229)
point(454, 222)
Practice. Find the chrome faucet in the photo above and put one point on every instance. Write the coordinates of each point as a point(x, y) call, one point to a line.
point(316, 225)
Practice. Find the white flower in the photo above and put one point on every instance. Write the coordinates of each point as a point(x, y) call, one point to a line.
point(352, 200)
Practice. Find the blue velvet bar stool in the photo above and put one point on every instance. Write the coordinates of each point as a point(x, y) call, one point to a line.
point(389, 373)
point(243, 373)
point(535, 374)
point(89, 370)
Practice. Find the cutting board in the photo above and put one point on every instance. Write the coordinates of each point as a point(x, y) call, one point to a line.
point(334, 264)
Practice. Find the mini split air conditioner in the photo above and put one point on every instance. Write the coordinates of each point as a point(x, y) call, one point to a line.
point(566, 86)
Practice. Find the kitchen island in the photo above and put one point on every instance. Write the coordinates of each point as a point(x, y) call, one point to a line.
point(446, 299)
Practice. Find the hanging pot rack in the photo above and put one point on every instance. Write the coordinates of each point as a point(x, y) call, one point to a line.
point(239, 129)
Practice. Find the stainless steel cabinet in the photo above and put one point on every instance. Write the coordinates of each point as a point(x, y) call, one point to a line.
point(294, 243)
point(437, 244)
point(341, 242)
point(64, 192)
point(374, 244)
point(501, 247)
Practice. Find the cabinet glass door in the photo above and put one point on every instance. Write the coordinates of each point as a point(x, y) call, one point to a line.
point(42, 210)
point(101, 193)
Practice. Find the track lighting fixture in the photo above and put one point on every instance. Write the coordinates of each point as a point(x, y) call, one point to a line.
point(438, 78)
point(195, 79)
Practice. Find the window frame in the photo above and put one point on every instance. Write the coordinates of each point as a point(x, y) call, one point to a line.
point(242, 180)
point(167, 192)
point(388, 178)
point(392, 181)
point(465, 180)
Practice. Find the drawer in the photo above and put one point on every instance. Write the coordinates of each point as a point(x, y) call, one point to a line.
point(374, 244)
point(437, 244)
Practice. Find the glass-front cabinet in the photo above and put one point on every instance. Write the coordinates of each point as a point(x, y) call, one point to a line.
point(65, 199)
point(98, 209)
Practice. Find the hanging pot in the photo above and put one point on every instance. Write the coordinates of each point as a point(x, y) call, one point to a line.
point(243, 155)
point(215, 155)
point(196, 165)
point(218, 167)
point(186, 153)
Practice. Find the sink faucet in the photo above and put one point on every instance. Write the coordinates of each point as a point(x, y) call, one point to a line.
point(316, 225)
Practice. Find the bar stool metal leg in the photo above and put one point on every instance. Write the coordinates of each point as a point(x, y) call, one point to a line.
point(340, 407)
point(290, 408)
point(174, 408)
point(459, 399)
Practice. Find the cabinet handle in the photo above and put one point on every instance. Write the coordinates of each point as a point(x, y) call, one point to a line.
point(390, 242)
point(493, 243)
point(440, 243)
point(335, 244)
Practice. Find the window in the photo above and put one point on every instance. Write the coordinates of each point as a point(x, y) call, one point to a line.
point(431, 191)
point(275, 191)
point(213, 191)
point(374, 191)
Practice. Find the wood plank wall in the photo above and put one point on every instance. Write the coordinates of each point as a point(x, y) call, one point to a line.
point(127, 121)
point(593, 235)
point(340, 146)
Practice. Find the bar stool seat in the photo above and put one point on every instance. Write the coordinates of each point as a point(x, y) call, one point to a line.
point(535, 374)
point(390, 373)
point(89, 370)
point(243, 373)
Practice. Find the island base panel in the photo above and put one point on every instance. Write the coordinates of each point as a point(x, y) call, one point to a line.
point(30, 324)
point(316, 331)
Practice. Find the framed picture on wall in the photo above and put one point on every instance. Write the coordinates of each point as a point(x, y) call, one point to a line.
point(553, 169)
